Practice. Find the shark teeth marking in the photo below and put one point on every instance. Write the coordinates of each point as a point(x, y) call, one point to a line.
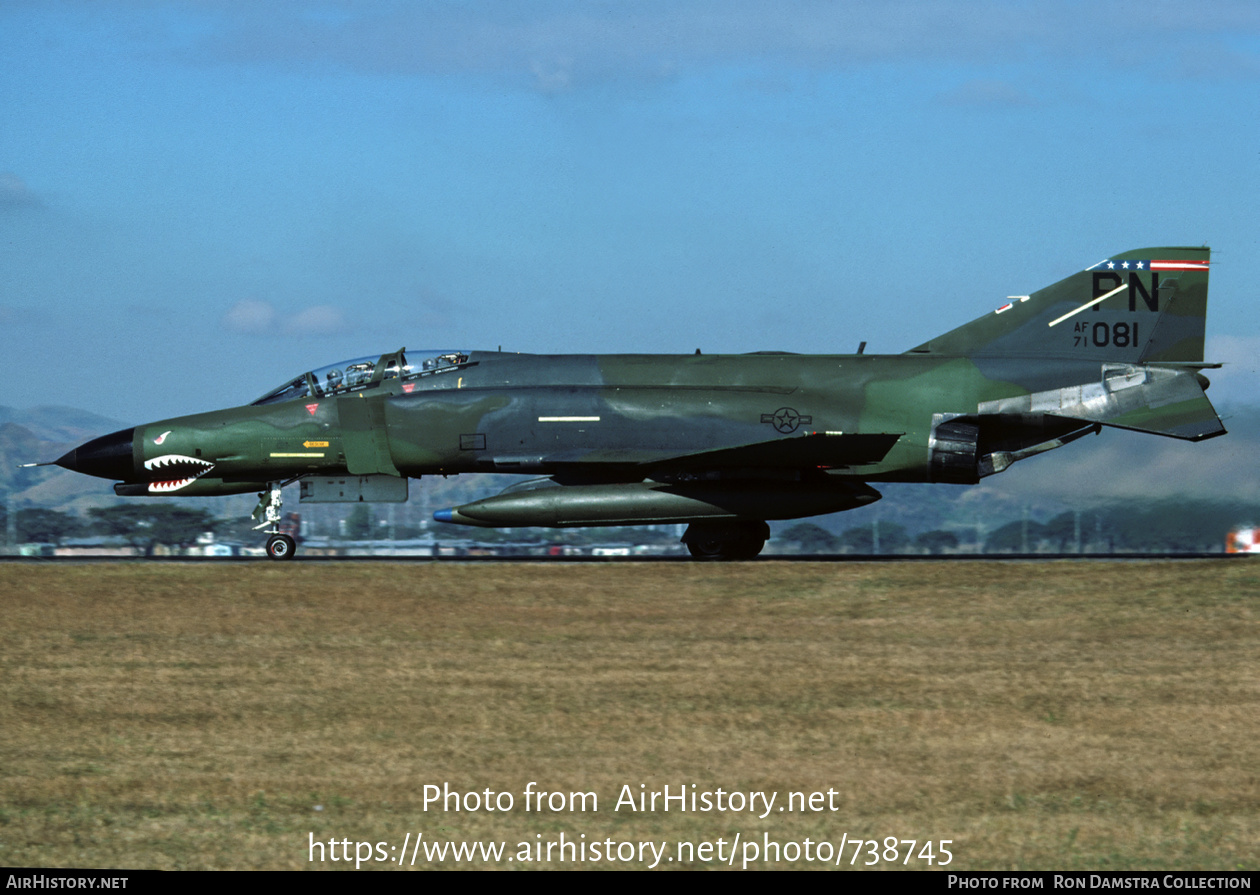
point(175, 471)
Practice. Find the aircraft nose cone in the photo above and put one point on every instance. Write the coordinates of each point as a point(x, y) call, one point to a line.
point(109, 457)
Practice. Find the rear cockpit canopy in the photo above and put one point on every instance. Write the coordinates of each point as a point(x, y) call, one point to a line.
point(365, 372)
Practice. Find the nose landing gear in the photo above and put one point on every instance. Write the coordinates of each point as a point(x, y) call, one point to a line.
point(279, 545)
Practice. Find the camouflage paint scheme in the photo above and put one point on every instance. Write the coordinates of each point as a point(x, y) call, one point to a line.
point(724, 442)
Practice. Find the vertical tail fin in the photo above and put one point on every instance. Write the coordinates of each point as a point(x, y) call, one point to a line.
point(1143, 306)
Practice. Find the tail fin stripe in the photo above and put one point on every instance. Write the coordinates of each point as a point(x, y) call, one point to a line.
point(1090, 304)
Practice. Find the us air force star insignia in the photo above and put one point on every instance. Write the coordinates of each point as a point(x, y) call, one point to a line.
point(786, 420)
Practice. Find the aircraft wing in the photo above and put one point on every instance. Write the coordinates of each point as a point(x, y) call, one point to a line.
point(813, 451)
point(825, 450)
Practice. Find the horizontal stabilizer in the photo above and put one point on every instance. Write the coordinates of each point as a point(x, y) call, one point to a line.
point(1160, 400)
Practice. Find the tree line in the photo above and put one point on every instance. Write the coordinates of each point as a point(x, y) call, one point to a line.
point(1155, 527)
point(1183, 527)
point(143, 526)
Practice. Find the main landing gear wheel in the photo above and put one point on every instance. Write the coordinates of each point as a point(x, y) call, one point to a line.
point(281, 547)
point(725, 541)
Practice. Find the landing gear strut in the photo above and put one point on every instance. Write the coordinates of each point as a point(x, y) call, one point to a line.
point(718, 541)
point(279, 546)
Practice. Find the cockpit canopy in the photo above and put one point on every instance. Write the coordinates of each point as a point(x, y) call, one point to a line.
point(365, 372)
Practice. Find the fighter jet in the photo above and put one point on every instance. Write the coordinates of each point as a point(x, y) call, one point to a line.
point(720, 442)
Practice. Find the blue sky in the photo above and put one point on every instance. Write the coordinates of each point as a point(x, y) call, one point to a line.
point(199, 200)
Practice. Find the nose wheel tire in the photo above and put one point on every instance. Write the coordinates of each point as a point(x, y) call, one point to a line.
point(281, 547)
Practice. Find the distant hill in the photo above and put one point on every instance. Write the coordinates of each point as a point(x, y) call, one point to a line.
point(1101, 474)
point(60, 425)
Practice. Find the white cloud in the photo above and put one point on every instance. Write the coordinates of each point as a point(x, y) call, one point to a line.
point(1238, 381)
point(319, 320)
point(558, 44)
point(250, 316)
point(985, 93)
point(1240, 354)
point(14, 192)
point(255, 317)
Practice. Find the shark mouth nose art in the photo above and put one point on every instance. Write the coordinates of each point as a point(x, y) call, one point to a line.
point(175, 471)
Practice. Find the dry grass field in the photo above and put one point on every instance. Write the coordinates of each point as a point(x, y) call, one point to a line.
point(1057, 715)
